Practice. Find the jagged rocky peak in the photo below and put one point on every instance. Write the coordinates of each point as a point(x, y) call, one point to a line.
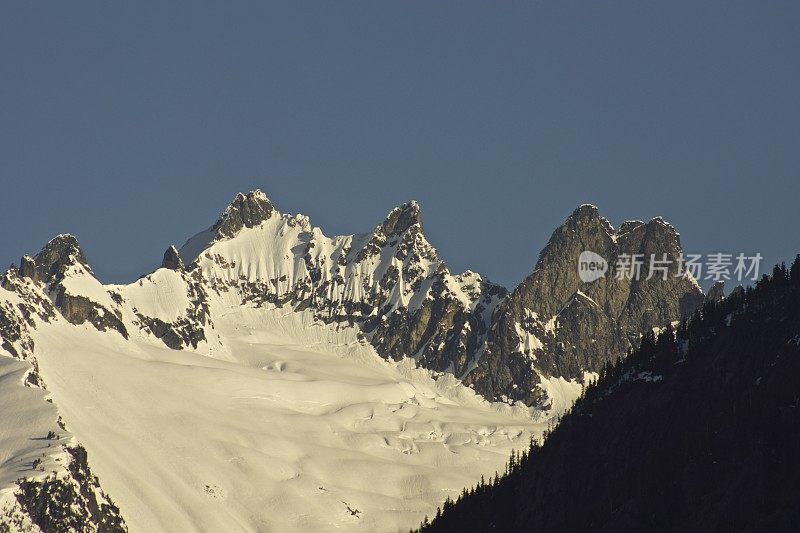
point(402, 218)
point(587, 215)
point(555, 277)
point(68, 280)
point(61, 252)
point(172, 260)
point(245, 211)
point(402, 225)
point(555, 324)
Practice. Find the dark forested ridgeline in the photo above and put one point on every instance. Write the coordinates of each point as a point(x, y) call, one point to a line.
point(697, 430)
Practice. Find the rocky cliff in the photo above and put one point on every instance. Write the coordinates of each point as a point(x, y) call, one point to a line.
point(554, 324)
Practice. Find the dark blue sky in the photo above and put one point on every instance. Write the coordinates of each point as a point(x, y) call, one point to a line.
point(133, 124)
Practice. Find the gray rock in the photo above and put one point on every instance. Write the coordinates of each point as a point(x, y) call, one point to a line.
point(172, 260)
point(72, 503)
point(61, 252)
point(79, 309)
point(49, 268)
point(579, 326)
point(246, 211)
point(402, 218)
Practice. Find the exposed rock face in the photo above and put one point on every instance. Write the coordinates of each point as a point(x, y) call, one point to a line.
point(403, 218)
point(18, 313)
point(57, 266)
point(14, 335)
point(246, 211)
point(78, 309)
point(50, 263)
point(74, 503)
point(27, 268)
point(443, 333)
point(172, 260)
point(554, 324)
point(189, 329)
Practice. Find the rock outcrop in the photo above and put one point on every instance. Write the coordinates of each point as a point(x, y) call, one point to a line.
point(556, 325)
point(69, 503)
point(172, 260)
point(246, 211)
point(63, 269)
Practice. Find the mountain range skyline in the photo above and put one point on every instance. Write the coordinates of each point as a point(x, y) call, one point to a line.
point(152, 262)
point(306, 353)
point(520, 344)
point(125, 126)
point(383, 267)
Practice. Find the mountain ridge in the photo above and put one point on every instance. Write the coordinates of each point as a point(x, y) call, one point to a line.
point(393, 284)
point(258, 280)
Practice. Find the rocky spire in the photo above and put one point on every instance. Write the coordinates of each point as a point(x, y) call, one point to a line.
point(50, 267)
point(566, 325)
point(172, 260)
point(586, 217)
point(245, 211)
point(402, 218)
point(61, 252)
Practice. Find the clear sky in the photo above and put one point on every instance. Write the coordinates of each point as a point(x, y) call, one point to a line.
point(132, 124)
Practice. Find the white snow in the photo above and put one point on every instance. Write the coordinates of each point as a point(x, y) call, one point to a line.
point(27, 418)
point(278, 422)
point(276, 251)
point(79, 282)
point(289, 423)
point(161, 295)
point(586, 297)
point(561, 392)
point(528, 342)
point(192, 248)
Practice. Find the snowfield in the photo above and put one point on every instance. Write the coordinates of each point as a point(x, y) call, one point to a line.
point(240, 390)
point(293, 426)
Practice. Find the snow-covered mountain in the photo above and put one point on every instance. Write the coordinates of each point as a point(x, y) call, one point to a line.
point(269, 377)
point(390, 282)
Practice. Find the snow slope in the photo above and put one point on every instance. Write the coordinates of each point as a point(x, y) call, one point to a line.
point(295, 426)
point(246, 392)
point(27, 419)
